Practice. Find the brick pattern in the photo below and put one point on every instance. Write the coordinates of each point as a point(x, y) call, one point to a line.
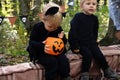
point(23, 71)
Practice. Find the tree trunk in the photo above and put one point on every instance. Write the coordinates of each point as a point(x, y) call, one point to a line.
point(59, 2)
point(30, 10)
point(46, 1)
point(24, 9)
point(34, 13)
point(110, 38)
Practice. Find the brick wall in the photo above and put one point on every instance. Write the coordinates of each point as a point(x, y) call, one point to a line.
point(29, 71)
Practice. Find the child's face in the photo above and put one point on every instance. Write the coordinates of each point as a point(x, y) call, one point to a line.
point(50, 27)
point(89, 6)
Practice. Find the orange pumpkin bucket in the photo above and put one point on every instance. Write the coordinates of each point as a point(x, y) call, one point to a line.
point(56, 45)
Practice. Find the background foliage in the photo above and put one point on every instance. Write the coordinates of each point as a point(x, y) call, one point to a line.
point(14, 39)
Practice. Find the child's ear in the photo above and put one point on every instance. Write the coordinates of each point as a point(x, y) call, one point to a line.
point(62, 8)
point(40, 15)
point(81, 6)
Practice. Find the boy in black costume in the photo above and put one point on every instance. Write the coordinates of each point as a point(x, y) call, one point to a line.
point(83, 40)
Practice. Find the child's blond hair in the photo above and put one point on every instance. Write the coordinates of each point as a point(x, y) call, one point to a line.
point(81, 2)
point(55, 19)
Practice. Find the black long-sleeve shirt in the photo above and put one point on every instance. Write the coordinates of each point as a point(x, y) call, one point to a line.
point(83, 30)
point(38, 35)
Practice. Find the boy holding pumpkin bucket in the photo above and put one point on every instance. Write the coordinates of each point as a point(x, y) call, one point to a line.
point(40, 45)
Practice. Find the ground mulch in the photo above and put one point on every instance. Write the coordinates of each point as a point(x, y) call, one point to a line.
point(6, 59)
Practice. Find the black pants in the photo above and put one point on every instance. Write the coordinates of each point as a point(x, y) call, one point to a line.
point(55, 65)
point(90, 52)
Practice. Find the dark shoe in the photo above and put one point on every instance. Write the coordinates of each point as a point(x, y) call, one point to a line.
point(110, 74)
point(117, 34)
point(84, 76)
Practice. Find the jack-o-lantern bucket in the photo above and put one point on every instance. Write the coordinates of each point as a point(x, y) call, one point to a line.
point(56, 45)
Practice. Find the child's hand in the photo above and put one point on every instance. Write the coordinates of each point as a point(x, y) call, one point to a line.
point(46, 48)
point(61, 35)
point(44, 42)
point(76, 50)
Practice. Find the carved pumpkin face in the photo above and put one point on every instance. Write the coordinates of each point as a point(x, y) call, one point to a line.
point(56, 45)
